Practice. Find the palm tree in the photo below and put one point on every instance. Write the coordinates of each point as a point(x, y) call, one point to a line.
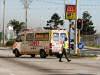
point(17, 26)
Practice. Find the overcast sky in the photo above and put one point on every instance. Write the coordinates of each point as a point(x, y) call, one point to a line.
point(41, 10)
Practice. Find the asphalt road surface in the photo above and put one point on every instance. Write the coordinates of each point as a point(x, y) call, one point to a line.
point(25, 65)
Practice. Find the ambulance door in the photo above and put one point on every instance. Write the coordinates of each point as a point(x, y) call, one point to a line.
point(23, 43)
point(55, 42)
point(62, 38)
point(29, 43)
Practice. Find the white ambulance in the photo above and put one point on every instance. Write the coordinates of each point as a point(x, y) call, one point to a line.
point(39, 42)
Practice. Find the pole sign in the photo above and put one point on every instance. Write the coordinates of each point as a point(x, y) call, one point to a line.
point(80, 45)
point(70, 12)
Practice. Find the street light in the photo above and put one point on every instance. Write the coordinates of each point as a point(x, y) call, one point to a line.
point(3, 21)
point(26, 7)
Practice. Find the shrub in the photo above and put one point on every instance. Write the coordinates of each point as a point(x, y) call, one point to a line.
point(10, 43)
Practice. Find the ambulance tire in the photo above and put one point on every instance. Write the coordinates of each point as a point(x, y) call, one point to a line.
point(16, 52)
point(42, 53)
point(32, 55)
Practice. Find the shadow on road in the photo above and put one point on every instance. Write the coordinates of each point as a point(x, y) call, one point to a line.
point(2, 56)
point(71, 74)
point(6, 57)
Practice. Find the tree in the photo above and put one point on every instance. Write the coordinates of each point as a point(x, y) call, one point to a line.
point(54, 22)
point(88, 28)
point(17, 26)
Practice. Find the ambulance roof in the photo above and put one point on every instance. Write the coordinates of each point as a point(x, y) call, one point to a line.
point(40, 30)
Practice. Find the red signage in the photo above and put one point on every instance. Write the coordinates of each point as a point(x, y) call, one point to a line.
point(70, 12)
point(70, 8)
point(35, 43)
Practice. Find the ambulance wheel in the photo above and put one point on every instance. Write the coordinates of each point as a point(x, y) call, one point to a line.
point(16, 52)
point(32, 55)
point(42, 54)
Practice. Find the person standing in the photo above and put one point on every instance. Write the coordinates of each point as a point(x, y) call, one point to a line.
point(65, 48)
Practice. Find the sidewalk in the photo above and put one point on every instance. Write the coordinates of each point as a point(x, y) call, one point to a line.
point(92, 48)
point(85, 52)
point(5, 48)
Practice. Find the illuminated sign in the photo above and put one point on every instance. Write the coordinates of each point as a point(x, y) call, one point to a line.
point(70, 12)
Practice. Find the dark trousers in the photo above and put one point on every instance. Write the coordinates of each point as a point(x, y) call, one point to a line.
point(63, 53)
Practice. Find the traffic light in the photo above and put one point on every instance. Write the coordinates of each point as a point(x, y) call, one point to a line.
point(79, 23)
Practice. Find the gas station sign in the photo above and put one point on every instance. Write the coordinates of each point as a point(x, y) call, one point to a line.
point(70, 12)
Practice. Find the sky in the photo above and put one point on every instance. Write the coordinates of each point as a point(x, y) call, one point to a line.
point(41, 10)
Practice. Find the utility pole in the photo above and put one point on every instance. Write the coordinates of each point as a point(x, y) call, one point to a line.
point(71, 14)
point(3, 22)
point(26, 14)
point(69, 34)
point(75, 47)
point(26, 7)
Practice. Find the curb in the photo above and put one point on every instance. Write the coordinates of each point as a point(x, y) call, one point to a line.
point(92, 48)
point(5, 48)
point(83, 55)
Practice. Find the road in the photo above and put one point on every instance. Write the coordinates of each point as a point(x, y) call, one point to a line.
point(9, 65)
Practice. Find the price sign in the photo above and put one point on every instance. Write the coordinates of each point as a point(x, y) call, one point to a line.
point(70, 12)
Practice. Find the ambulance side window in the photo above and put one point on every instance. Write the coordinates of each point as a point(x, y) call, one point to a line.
point(56, 36)
point(62, 36)
point(30, 37)
point(42, 36)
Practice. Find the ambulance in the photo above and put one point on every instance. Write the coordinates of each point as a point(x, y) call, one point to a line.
point(39, 42)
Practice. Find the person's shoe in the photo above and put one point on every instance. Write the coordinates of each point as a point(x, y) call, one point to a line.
point(60, 61)
point(69, 60)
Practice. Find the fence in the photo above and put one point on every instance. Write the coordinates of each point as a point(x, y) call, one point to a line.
point(91, 40)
